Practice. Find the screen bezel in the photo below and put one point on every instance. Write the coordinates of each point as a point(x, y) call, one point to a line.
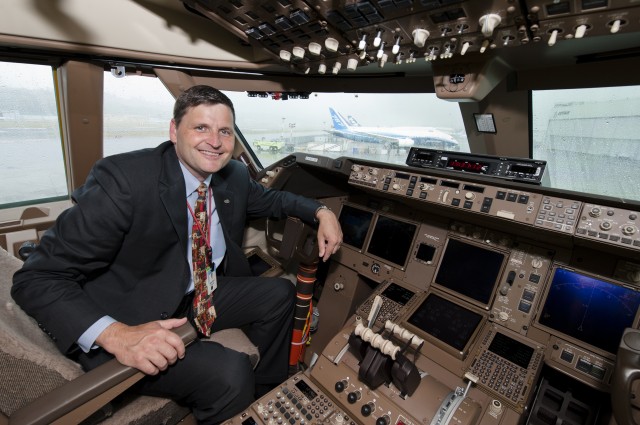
point(460, 355)
point(367, 235)
point(566, 337)
point(372, 231)
point(496, 284)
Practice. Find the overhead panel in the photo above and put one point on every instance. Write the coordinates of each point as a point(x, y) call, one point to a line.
point(331, 37)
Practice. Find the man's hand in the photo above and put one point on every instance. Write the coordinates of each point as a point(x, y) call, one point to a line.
point(150, 348)
point(329, 233)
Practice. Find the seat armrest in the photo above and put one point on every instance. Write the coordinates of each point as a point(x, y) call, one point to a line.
point(78, 399)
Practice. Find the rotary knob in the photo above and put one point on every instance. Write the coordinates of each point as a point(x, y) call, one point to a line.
point(340, 386)
point(367, 409)
point(383, 420)
point(605, 225)
point(375, 268)
point(536, 263)
point(629, 229)
point(353, 396)
point(595, 212)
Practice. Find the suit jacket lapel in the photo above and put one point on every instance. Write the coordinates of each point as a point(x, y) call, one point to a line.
point(172, 194)
point(224, 202)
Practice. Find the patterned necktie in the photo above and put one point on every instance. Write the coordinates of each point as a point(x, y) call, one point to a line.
point(204, 312)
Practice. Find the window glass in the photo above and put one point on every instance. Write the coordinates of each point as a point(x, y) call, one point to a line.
point(31, 161)
point(590, 139)
point(137, 112)
point(375, 126)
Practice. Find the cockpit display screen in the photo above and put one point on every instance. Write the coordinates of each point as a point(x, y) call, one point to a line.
point(391, 240)
point(446, 321)
point(355, 224)
point(470, 270)
point(589, 309)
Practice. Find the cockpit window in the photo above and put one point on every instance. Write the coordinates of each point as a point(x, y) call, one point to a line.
point(375, 126)
point(31, 163)
point(137, 112)
point(590, 139)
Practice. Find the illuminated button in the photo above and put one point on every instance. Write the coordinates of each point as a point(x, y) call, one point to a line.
point(614, 238)
point(468, 204)
point(455, 202)
point(523, 199)
point(583, 366)
point(501, 195)
point(597, 372)
point(512, 197)
point(567, 356)
point(528, 295)
point(534, 278)
point(524, 306)
point(486, 205)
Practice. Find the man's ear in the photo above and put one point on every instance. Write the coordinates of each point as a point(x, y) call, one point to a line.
point(173, 130)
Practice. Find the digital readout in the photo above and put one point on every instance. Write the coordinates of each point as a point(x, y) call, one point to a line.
point(474, 167)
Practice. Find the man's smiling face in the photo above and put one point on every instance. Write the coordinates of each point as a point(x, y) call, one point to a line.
point(204, 139)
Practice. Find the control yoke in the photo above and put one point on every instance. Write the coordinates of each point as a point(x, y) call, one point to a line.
point(626, 371)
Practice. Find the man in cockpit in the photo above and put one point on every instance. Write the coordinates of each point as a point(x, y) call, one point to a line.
point(151, 233)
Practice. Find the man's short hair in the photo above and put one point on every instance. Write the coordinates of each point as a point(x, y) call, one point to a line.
point(199, 95)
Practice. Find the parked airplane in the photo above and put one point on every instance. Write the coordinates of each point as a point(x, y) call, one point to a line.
point(392, 137)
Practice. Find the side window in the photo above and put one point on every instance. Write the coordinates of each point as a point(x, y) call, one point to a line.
point(590, 139)
point(137, 112)
point(32, 166)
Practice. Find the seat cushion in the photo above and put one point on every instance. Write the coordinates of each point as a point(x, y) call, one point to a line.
point(30, 364)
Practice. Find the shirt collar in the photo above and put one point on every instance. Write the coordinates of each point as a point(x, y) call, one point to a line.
point(191, 183)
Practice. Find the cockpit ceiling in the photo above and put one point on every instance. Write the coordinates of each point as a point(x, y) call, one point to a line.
point(409, 36)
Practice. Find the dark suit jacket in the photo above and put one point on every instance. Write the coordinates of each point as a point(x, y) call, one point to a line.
point(121, 249)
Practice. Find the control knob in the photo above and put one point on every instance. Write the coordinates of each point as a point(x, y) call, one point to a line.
point(396, 186)
point(367, 409)
point(629, 229)
point(606, 225)
point(375, 268)
point(340, 386)
point(595, 212)
point(383, 420)
point(536, 263)
point(353, 396)
point(489, 23)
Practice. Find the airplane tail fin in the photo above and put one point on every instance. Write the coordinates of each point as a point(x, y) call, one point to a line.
point(339, 123)
point(352, 121)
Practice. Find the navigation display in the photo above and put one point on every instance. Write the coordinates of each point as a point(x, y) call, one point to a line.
point(470, 270)
point(391, 240)
point(355, 224)
point(589, 309)
point(446, 321)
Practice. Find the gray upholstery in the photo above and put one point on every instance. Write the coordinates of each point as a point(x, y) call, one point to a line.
point(31, 365)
